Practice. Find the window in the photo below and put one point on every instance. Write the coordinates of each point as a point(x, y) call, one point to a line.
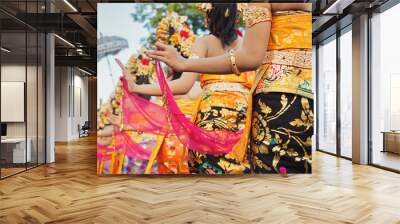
point(22, 77)
point(346, 93)
point(314, 86)
point(385, 89)
point(327, 96)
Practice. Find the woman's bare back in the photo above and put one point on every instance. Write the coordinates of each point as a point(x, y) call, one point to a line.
point(215, 48)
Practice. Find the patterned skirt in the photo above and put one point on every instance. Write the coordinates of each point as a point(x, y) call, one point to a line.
point(282, 128)
point(220, 110)
point(120, 163)
point(172, 156)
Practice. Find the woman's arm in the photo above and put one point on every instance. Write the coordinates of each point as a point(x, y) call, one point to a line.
point(179, 86)
point(248, 57)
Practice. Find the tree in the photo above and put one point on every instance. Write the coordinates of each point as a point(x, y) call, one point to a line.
point(151, 14)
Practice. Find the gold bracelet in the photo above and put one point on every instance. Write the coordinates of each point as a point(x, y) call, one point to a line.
point(194, 56)
point(233, 62)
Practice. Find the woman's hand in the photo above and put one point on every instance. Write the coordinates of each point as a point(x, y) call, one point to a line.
point(104, 136)
point(107, 131)
point(125, 72)
point(132, 86)
point(169, 55)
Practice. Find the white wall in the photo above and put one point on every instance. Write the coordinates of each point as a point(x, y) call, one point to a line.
point(11, 73)
point(33, 127)
point(71, 94)
point(16, 73)
point(61, 103)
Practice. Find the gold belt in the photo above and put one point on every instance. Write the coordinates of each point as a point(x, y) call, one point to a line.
point(296, 58)
point(225, 86)
point(289, 12)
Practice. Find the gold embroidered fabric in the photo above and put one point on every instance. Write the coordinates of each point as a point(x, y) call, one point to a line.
point(222, 110)
point(291, 31)
point(297, 58)
point(282, 131)
point(289, 12)
point(245, 79)
point(253, 15)
point(287, 66)
point(286, 79)
point(225, 86)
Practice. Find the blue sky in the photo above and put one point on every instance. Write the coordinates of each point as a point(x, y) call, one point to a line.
point(115, 19)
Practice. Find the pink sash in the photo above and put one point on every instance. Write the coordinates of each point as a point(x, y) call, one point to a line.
point(144, 116)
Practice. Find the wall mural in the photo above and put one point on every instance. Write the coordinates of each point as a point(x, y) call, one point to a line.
point(204, 88)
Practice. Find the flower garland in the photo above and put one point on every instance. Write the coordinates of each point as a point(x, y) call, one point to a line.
point(174, 30)
point(110, 108)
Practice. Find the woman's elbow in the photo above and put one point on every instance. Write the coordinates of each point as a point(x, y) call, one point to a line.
point(254, 64)
point(255, 61)
point(180, 91)
point(258, 59)
point(184, 91)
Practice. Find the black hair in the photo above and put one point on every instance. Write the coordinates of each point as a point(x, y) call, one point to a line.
point(176, 75)
point(222, 20)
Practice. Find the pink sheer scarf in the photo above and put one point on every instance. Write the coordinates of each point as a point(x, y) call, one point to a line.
point(123, 145)
point(142, 115)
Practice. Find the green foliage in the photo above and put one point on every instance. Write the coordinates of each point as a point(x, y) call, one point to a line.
point(150, 14)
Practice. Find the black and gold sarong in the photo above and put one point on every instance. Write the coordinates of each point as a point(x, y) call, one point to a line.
point(282, 129)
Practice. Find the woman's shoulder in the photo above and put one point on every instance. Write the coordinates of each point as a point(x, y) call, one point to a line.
point(214, 43)
point(200, 46)
point(211, 40)
point(202, 40)
point(208, 38)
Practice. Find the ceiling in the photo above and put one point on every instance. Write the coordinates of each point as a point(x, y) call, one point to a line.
point(329, 16)
point(75, 21)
